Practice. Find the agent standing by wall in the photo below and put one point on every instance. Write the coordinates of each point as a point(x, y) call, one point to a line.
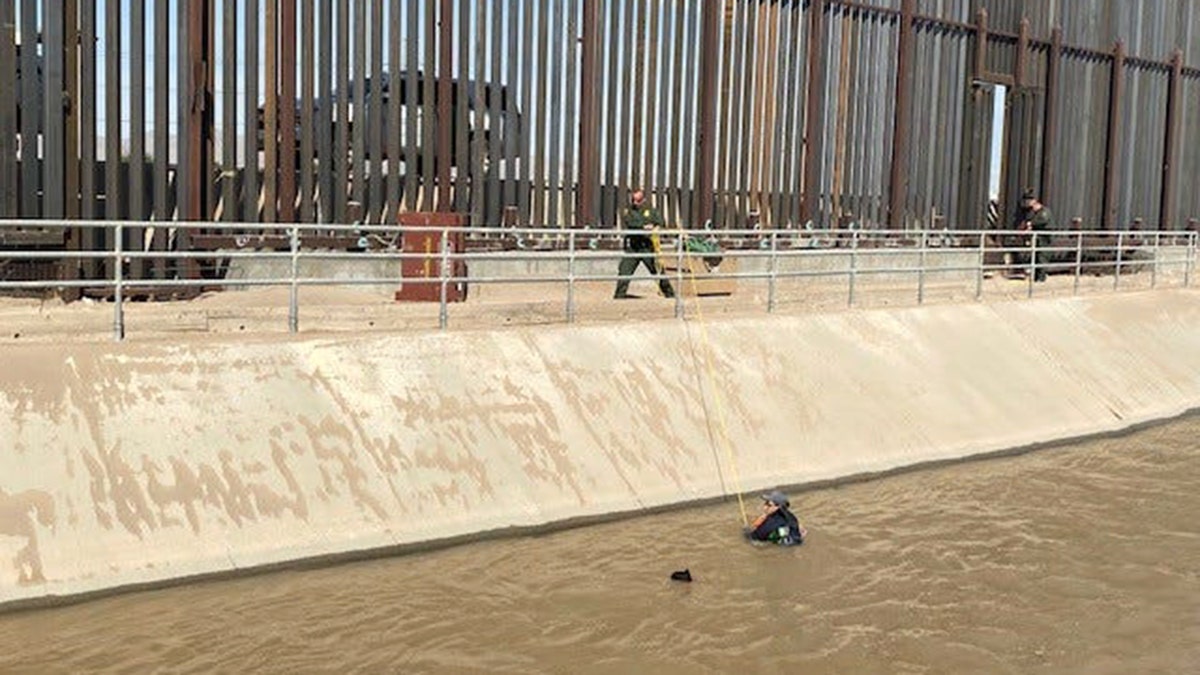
point(640, 216)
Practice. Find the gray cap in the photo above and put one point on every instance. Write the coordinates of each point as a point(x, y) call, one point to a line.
point(776, 497)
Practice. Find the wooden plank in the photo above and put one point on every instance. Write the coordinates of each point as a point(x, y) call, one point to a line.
point(250, 180)
point(342, 149)
point(395, 70)
point(375, 115)
point(570, 194)
point(53, 137)
point(325, 156)
point(554, 17)
point(525, 184)
point(411, 30)
point(8, 111)
point(112, 110)
point(358, 128)
point(477, 106)
point(287, 111)
point(494, 84)
point(307, 85)
point(429, 108)
point(30, 112)
point(271, 113)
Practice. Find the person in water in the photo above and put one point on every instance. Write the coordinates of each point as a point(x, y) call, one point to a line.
point(777, 524)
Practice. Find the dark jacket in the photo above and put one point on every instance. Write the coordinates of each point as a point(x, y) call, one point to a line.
point(780, 528)
point(640, 218)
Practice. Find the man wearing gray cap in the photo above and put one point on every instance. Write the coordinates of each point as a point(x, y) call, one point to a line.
point(777, 524)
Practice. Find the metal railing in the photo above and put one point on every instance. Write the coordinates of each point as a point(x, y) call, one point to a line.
point(775, 257)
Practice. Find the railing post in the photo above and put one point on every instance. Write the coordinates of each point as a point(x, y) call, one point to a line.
point(443, 274)
point(679, 276)
point(1154, 263)
point(1191, 260)
point(773, 268)
point(571, 276)
point(982, 263)
point(294, 290)
point(118, 283)
point(1120, 260)
point(921, 267)
point(1078, 261)
point(1033, 263)
point(853, 267)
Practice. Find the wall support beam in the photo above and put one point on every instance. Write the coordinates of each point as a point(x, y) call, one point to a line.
point(1112, 155)
point(902, 124)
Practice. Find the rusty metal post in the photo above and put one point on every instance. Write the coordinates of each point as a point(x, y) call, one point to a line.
point(981, 40)
point(810, 195)
point(1050, 132)
point(1022, 54)
point(589, 84)
point(707, 133)
point(199, 123)
point(1112, 154)
point(287, 111)
point(1166, 217)
point(898, 189)
point(445, 127)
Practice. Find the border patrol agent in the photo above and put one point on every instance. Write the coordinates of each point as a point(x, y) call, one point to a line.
point(639, 215)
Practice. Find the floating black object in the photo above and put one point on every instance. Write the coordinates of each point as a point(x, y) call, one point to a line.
point(681, 575)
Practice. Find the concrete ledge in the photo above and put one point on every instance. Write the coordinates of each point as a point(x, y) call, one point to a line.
point(139, 464)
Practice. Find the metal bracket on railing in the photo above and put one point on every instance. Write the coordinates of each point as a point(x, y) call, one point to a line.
point(118, 283)
point(853, 276)
point(772, 266)
point(982, 264)
point(444, 273)
point(1078, 261)
point(571, 277)
point(921, 267)
point(294, 290)
point(1120, 260)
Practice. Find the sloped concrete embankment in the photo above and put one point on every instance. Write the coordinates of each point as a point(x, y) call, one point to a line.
point(134, 464)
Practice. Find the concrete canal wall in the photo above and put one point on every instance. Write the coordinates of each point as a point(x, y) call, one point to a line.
point(140, 463)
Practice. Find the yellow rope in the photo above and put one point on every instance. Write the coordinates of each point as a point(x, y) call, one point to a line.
point(712, 380)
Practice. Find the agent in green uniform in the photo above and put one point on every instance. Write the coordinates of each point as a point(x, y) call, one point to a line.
point(640, 216)
point(1040, 221)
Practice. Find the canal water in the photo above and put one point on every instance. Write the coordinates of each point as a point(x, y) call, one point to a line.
point(1080, 559)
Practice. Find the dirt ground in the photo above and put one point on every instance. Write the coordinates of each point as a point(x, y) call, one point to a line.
point(263, 312)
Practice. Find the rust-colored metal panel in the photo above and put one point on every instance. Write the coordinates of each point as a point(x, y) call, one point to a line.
point(421, 275)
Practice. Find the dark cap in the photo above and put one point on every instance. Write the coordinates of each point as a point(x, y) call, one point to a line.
point(776, 497)
point(1028, 195)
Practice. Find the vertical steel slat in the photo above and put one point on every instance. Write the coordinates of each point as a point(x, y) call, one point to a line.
point(650, 180)
point(525, 186)
point(1113, 148)
point(271, 114)
point(1167, 205)
point(307, 113)
point(411, 107)
point(341, 153)
point(358, 118)
point(326, 160)
point(462, 94)
point(898, 184)
point(71, 106)
point(135, 235)
point(511, 129)
point(375, 111)
point(706, 136)
point(537, 178)
point(287, 111)
point(612, 149)
point(445, 90)
point(9, 197)
point(494, 88)
point(589, 86)
point(253, 117)
point(813, 117)
point(53, 133)
point(229, 126)
point(570, 183)
point(31, 111)
point(395, 38)
point(428, 109)
point(554, 67)
point(112, 111)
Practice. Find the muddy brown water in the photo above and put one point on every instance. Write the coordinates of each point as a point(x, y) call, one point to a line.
point(1078, 559)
